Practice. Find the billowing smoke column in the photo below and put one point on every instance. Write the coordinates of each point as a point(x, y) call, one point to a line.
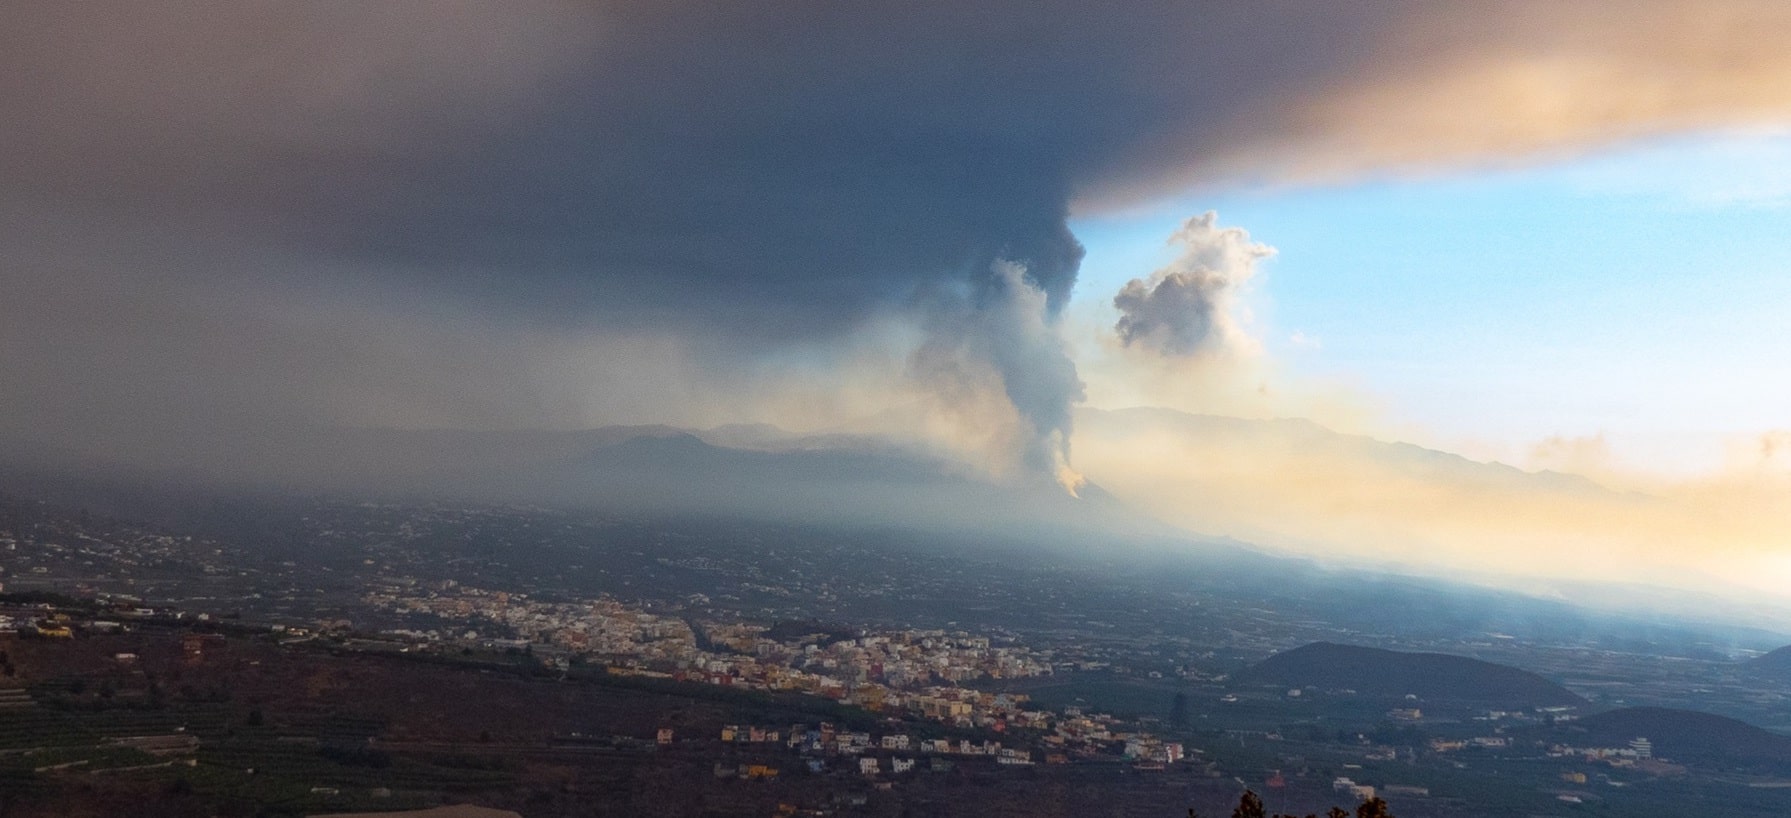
point(1003, 325)
point(1188, 308)
point(1022, 302)
point(1021, 339)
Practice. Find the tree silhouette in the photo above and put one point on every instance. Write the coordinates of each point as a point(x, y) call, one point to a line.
point(1373, 808)
point(1250, 806)
point(1178, 710)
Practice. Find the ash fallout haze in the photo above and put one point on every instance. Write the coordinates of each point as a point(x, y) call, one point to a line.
point(1481, 304)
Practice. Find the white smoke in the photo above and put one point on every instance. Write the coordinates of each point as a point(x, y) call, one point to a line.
point(1008, 335)
point(1190, 306)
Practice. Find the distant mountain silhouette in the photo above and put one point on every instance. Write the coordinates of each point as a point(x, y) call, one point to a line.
point(1774, 665)
point(756, 472)
point(856, 479)
point(1685, 736)
point(1434, 677)
point(1373, 458)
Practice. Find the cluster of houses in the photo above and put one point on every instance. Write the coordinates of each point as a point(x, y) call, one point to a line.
point(821, 742)
point(818, 744)
point(1357, 792)
point(910, 672)
point(1443, 745)
point(1150, 750)
point(741, 653)
point(1639, 749)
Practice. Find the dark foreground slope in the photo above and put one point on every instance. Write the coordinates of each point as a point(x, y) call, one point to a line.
point(1429, 676)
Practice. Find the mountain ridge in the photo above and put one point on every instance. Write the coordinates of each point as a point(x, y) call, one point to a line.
point(1438, 677)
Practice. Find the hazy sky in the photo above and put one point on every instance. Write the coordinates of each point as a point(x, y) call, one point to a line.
point(1616, 314)
point(1637, 293)
point(1539, 232)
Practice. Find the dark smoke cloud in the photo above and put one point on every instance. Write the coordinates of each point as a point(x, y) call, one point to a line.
point(740, 175)
point(744, 177)
point(1188, 307)
point(723, 162)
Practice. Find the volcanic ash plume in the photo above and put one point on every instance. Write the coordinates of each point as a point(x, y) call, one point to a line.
point(1007, 333)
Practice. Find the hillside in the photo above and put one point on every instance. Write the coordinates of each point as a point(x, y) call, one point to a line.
point(1433, 677)
point(1305, 442)
point(1774, 665)
point(847, 481)
point(1685, 736)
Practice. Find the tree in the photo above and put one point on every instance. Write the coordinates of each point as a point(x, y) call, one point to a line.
point(1250, 806)
point(1373, 808)
point(1178, 710)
